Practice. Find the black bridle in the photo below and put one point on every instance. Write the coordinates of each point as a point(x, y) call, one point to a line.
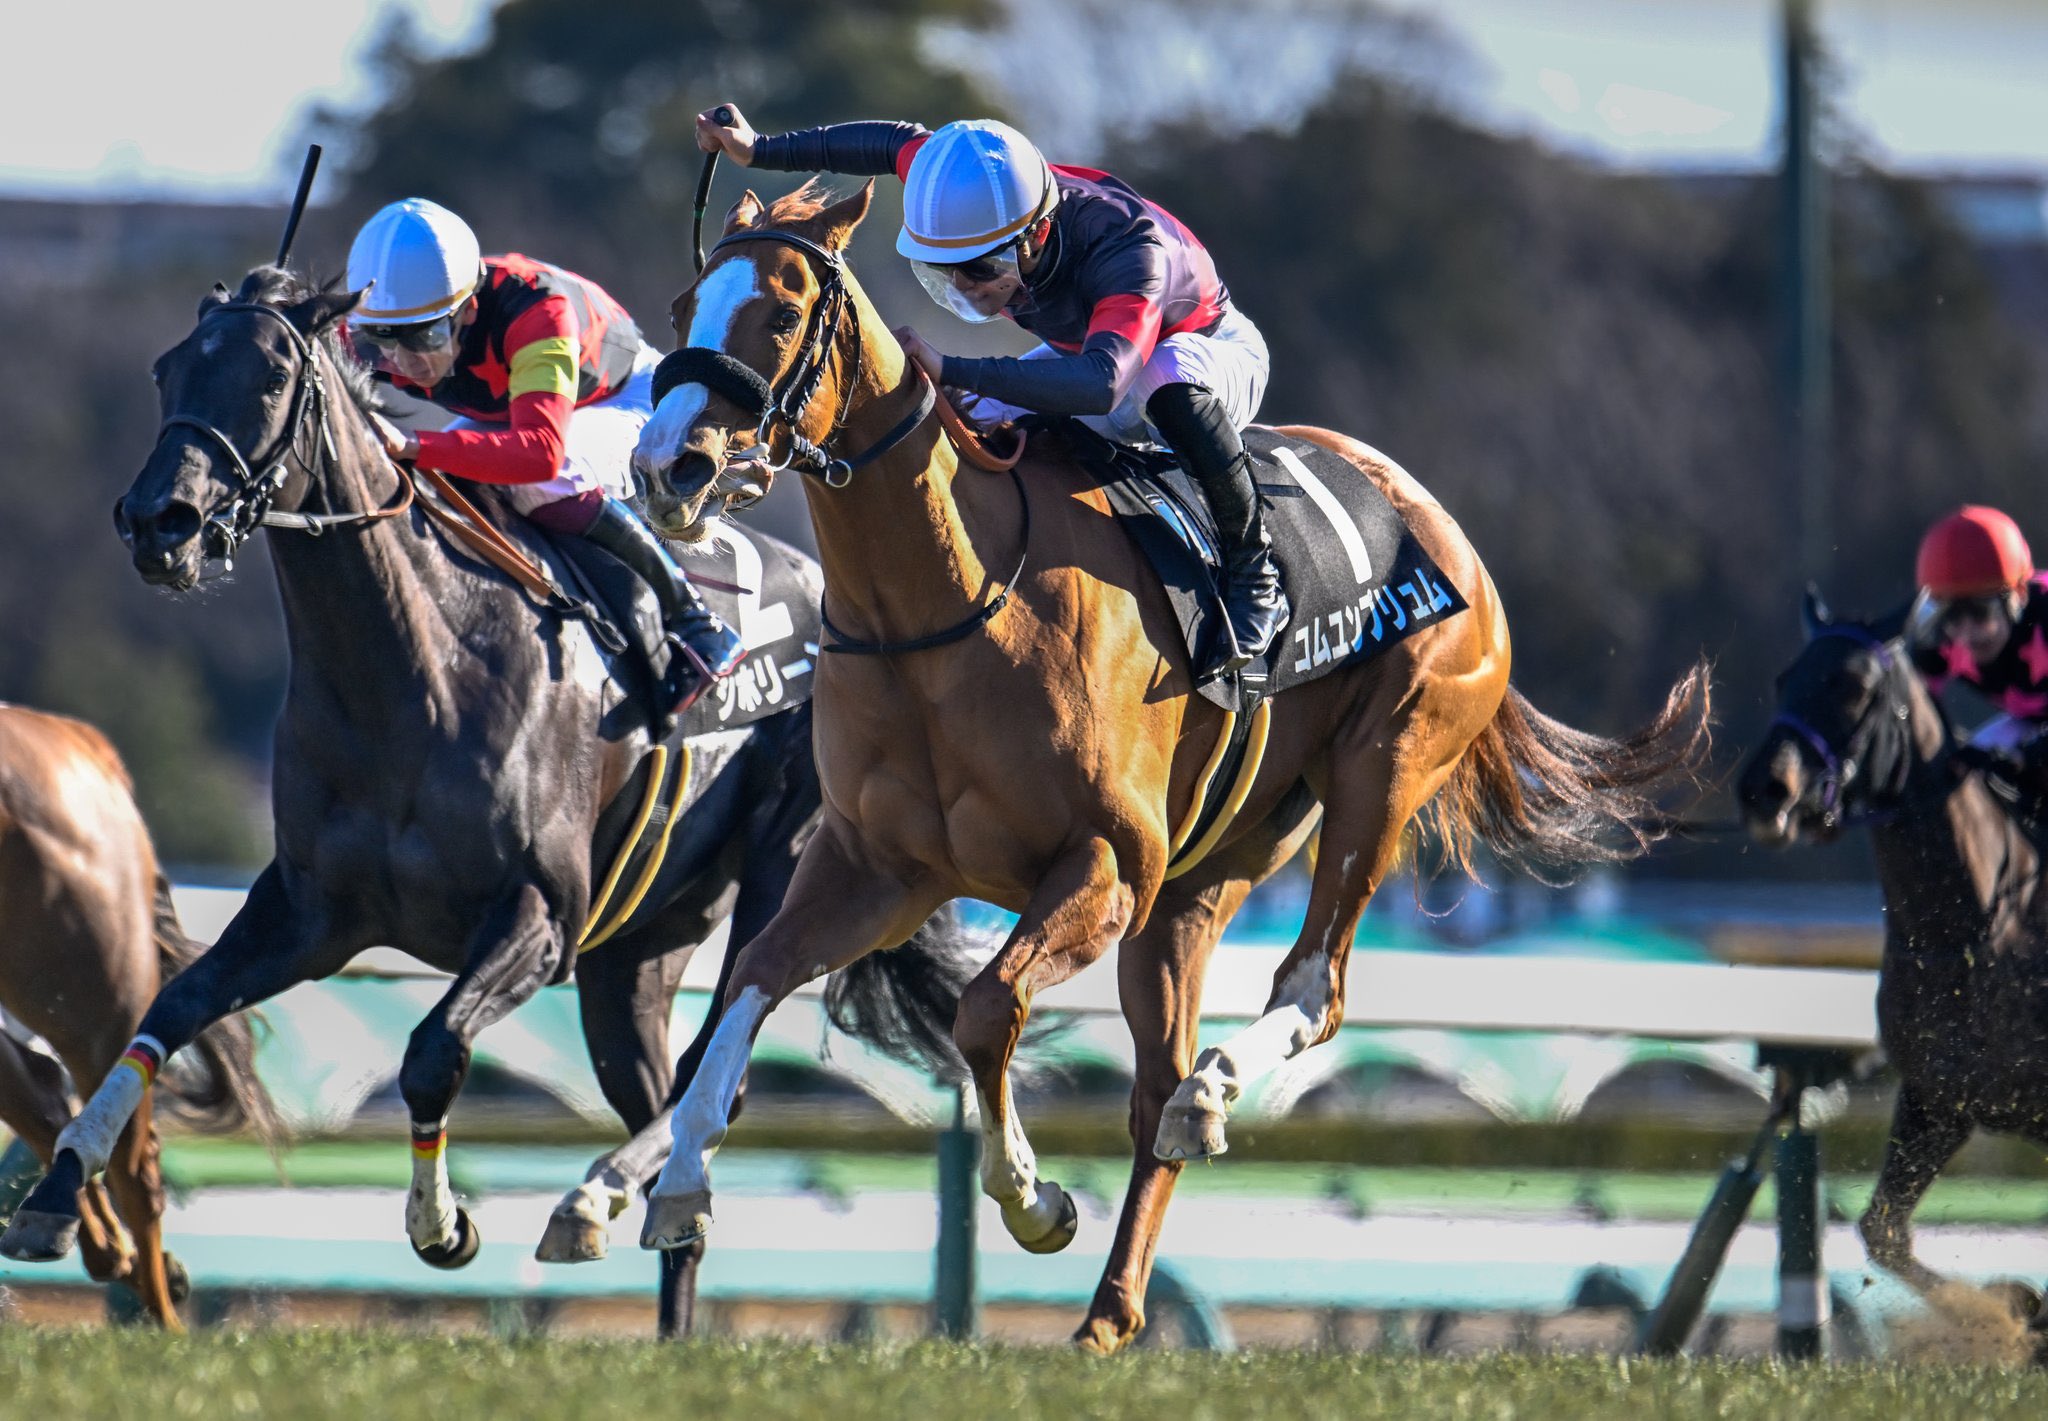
point(1864, 780)
point(783, 404)
point(226, 529)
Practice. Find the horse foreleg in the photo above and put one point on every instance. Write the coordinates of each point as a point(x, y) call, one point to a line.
point(35, 1102)
point(135, 1178)
point(838, 910)
point(262, 951)
point(1923, 1140)
point(516, 952)
point(1074, 916)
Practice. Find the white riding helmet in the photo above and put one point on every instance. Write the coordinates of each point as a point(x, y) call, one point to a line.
point(419, 260)
point(974, 186)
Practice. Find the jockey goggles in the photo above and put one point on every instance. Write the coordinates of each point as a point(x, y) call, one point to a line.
point(421, 337)
point(941, 282)
point(1959, 612)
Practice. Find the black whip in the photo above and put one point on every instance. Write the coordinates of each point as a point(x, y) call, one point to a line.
point(291, 223)
point(724, 115)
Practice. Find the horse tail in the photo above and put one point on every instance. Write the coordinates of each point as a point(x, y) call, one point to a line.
point(903, 1001)
point(1549, 800)
point(220, 1090)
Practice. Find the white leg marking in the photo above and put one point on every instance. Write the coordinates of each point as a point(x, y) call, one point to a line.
point(719, 299)
point(430, 1203)
point(97, 1129)
point(1191, 1124)
point(700, 1118)
point(1009, 1175)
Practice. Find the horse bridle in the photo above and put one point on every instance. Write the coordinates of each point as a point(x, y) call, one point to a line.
point(1847, 798)
point(249, 509)
point(784, 404)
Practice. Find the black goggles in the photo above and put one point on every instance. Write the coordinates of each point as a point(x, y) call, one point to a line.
point(1973, 611)
point(420, 337)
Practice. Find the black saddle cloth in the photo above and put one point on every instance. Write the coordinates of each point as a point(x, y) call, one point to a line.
point(763, 588)
point(1357, 579)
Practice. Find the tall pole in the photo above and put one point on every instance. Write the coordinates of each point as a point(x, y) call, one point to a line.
point(1806, 375)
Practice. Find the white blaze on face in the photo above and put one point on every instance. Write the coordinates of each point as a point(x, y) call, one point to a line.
point(719, 299)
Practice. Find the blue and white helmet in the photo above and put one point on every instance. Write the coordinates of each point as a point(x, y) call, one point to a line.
point(974, 187)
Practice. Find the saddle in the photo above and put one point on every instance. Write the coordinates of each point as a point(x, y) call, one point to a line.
point(1357, 579)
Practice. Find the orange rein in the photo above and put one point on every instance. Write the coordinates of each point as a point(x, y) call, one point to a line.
point(973, 448)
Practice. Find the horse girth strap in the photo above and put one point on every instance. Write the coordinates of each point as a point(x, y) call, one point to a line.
point(464, 522)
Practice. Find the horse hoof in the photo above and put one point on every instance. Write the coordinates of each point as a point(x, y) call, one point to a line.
point(674, 1220)
point(571, 1238)
point(1061, 1233)
point(457, 1252)
point(35, 1236)
point(2023, 1300)
point(1104, 1337)
point(177, 1279)
point(1186, 1134)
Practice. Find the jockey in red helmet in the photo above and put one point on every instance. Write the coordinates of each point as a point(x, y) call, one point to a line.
point(1981, 619)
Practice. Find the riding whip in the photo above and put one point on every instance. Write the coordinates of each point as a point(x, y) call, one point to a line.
point(723, 115)
point(291, 223)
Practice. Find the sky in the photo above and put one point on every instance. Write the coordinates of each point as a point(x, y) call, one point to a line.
point(1933, 85)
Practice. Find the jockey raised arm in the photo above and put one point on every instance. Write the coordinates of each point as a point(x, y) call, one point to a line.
point(550, 382)
point(1140, 337)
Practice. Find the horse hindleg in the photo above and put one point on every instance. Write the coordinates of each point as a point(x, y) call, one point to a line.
point(260, 953)
point(1074, 916)
point(837, 911)
point(1923, 1141)
point(1159, 980)
point(513, 955)
point(1382, 776)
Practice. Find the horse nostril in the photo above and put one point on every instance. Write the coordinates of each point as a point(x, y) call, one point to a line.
point(121, 526)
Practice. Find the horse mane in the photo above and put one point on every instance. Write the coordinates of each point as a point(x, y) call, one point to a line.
point(277, 286)
point(796, 208)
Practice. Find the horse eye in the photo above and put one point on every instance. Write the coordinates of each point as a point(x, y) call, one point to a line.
point(786, 319)
point(275, 385)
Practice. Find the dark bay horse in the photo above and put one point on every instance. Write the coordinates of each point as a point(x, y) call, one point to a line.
point(87, 936)
point(1041, 757)
point(1962, 996)
point(450, 766)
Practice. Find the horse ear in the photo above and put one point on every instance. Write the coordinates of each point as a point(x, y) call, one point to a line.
point(745, 213)
point(216, 297)
point(839, 220)
point(1813, 612)
point(323, 308)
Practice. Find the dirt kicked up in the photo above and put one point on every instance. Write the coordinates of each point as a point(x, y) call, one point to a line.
point(111, 1376)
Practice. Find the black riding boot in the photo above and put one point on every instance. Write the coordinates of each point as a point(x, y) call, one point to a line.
point(1196, 427)
point(708, 645)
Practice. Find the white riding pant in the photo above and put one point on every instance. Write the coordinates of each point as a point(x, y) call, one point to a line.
point(1230, 362)
point(597, 448)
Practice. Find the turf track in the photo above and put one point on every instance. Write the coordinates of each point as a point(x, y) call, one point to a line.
point(55, 1376)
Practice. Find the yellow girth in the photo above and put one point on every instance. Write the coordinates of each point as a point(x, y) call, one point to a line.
point(595, 935)
point(1182, 857)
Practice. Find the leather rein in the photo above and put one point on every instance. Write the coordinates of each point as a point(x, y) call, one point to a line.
point(782, 405)
point(227, 529)
point(250, 509)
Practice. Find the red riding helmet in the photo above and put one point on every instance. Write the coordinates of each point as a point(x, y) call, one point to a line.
point(1974, 552)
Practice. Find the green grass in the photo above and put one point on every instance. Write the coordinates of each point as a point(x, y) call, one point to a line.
point(53, 1376)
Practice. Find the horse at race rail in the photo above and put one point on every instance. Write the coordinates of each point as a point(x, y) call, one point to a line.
point(456, 763)
point(90, 936)
point(1036, 740)
point(1963, 983)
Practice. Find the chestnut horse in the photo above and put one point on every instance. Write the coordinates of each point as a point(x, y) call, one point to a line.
point(1033, 741)
point(90, 934)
